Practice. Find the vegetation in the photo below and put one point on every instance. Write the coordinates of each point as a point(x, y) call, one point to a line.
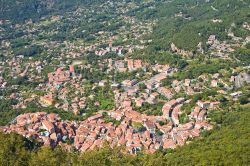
point(150, 109)
point(194, 24)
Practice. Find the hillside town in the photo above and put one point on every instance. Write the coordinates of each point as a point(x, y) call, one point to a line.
point(123, 125)
point(84, 79)
point(135, 131)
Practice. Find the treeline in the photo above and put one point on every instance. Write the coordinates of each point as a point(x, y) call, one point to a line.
point(197, 68)
point(243, 55)
point(225, 145)
point(161, 58)
point(28, 51)
point(19, 11)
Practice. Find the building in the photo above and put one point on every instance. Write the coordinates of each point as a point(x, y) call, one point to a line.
point(214, 83)
point(47, 100)
point(48, 126)
point(150, 126)
point(204, 105)
point(165, 92)
point(134, 64)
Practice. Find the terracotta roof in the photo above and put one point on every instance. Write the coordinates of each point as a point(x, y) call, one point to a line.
point(48, 125)
point(149, 125)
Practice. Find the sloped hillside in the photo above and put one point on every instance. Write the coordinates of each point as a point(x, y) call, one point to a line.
point(19, 11)
point(186, 23)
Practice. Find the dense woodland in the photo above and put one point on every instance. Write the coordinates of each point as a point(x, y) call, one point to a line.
point(19, 11)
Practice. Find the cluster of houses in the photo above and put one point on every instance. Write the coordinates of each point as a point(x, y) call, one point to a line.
point(118, 50)
point(240, 80)
point(224, 48)
point(150, 135)
point(125, 65)
point(59, 76)
point(179, 51)
point(62, 82)
point(221, 48)
point(65, 86)
point(152, 88)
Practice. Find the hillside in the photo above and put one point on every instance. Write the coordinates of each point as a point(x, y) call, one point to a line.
point(188, 23)
point(19, 11)
point(124, 82)
point(184, 23)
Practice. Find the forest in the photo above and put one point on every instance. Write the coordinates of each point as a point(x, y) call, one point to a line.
point(19, 11)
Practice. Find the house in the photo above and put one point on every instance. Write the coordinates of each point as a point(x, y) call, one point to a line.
point(129, 82)
point(52, 117)
point(151, 85)
point(204, 105)
point(47, 125)
point(72, 70)
point(137, 64)
point(132, 91)
point(59, 76)
point(120, 66)
point(167, 108)
point(187, 82)
point(201, 115)
point(194, 132)
point(222, 92)
point(214, 104)
point(47, 100)
point(160, 77)
point(134, 64)
point(214, 83)
point(211, 39)
point(130, 64)
point(236, 94)
point(175, 83)
point(169, 144)
point(139, 102)
point(161, 68)
point(150, 126)
point(115, 114)
point(101, 52)
point(165, 92)
point(151, 100)
point(177, 89)
point(97, 116)
point(120, 51)
point(136, 116)
point(185, 127)
point(126, 104)
point(154, 95)
point(180, 100)
point(102, 83)
point(189, 91)
point(195, 113)
point(175, 115)
point(180, 140)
